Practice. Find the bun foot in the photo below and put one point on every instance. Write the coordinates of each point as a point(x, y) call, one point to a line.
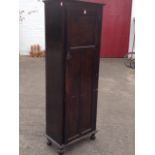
point(93, 137)
point(49, 143)
point(61, 151)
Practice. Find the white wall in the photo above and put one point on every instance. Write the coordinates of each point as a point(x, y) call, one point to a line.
point(132, 28)
point(31, 28)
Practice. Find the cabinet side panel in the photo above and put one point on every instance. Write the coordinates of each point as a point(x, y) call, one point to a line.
point(54, 71)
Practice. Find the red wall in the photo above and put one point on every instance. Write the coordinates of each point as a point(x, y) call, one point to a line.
point(115, 27)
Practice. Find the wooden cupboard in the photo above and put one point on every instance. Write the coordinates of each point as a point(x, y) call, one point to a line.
point(73, 31)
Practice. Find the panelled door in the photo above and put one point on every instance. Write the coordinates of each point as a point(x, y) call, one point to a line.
point(82, 60)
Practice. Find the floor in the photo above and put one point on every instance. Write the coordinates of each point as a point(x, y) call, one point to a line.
point(115, 121)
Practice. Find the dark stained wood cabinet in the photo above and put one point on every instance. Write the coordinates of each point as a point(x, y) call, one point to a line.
point(73, 31)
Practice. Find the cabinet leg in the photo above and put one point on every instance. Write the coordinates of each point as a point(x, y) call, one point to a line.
point(61, 151)
point(49, 143)
point(93, 136)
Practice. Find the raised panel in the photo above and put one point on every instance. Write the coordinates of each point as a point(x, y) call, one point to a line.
point(81, 26)
point(72, 82)
point(79, 92)
point(86, 102)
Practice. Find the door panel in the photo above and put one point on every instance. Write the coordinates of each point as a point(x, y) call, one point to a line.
point(87, 60)
point(72, 74)
point(72, 94)
point(81, 26)
point(79, 91)
point(81, 62)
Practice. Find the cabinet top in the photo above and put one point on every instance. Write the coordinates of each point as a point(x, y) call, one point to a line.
point(80, 1)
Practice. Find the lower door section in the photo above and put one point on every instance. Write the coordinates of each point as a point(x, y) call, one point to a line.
point(80, 78)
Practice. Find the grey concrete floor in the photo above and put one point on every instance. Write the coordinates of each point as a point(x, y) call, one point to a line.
point(115, 122)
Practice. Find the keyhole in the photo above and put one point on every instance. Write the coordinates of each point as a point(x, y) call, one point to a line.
point(61, 4)
point(85, 12)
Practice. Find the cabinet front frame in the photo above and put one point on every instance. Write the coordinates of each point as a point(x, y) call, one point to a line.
point(96, 46)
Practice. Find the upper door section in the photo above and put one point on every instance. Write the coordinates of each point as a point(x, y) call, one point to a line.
point(81, 24)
